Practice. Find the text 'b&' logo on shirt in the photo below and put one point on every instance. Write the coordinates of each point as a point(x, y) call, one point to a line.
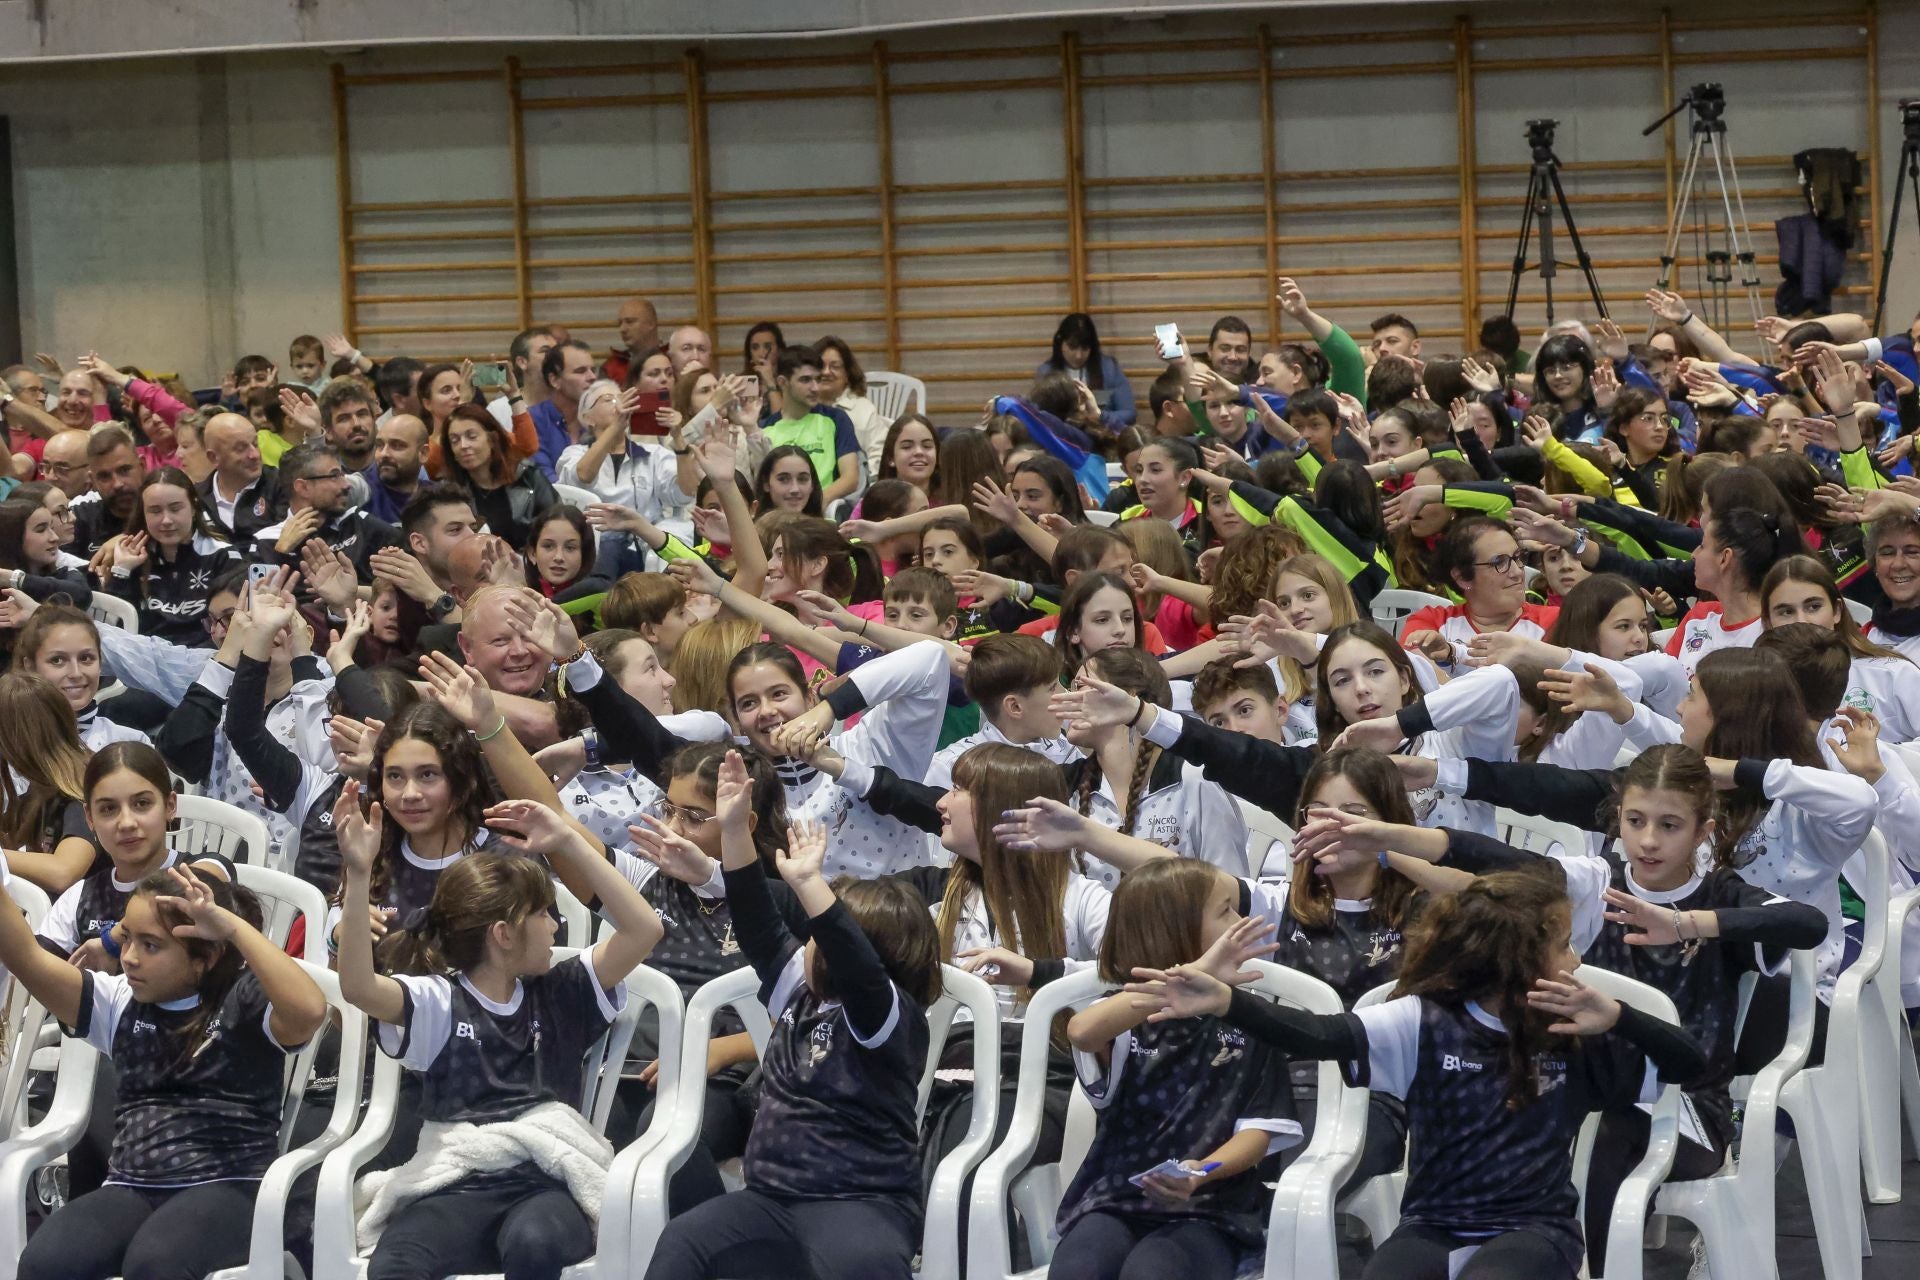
point(1452, 1062)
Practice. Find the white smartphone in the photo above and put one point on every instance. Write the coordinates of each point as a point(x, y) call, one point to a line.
point(1168, 336)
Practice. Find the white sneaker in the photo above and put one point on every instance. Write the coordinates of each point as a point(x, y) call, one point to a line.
point(1700, 1270)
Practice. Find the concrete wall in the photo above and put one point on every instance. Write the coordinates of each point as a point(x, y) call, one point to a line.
point(178, 212)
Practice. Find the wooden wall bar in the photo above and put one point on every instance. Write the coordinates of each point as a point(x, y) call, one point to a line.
point(960, 279)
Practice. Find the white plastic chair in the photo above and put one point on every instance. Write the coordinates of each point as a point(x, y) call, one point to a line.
point(1734, 1209)
point(574, 495)
point(1300, 1237)
point(1264, 829)
point(1889, 1075)
point(22, 1155)
point(336, 1252)
point(114, 611)
point(1395, 605)
point(1660, 638)
point(1628, 1220)
point(940, 1238)
point(1538, 835)
point(23, 1017)
point(1376, 1202)
point(1105, 519)
point(283, 899)
point(574, 917)
point(1861, 613)
point(203, 825)
point(895, 394)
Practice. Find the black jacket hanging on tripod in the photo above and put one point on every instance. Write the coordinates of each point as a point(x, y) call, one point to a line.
point(1813, 245)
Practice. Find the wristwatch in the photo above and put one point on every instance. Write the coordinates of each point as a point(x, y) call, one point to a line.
point(1579, 543)
point(442, 607)
point(590, 738)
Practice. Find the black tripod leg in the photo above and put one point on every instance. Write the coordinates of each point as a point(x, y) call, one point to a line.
point(1579, 250)
point(1520, 249)
point(1910, 164)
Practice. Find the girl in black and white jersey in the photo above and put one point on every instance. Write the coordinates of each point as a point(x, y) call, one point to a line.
point(1497, 1049)
point(833, 1166)
point(494, 1030)
point(1202, 1094)
point(43, 821)
point(196, 1026)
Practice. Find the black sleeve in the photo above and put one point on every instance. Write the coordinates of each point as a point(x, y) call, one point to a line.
point(1575, 796)
point(629, 730)
point(1476, 453)
point(847, 701)
point(1907, 405)
point(860, 980)
point(1750, 914)
point(1641, 523)
point(1483, 855)
point(909, 801)
point(360, 695)
point(276, 769)
point(186, 737)
point(759, 926)
point(1675, 1054)
point(1675, 577)
point(44, 587)
point(1323, 1037)
point(1750, 778)
point(594, 584)
point(1264, 773)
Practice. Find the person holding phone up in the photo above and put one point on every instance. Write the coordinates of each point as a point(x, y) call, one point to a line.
point(616, 466)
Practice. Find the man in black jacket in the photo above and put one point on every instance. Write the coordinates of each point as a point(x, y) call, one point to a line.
point(242, 496)
point(318, 506)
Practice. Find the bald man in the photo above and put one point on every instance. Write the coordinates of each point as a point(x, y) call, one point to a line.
point(79, 396)
point(639, 326)
point(65, 463)
point(689, 346)
point(242, 496)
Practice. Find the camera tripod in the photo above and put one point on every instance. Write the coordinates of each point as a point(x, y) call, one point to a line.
point(1544, 181)
point(1909, 165)
point(1708, 129)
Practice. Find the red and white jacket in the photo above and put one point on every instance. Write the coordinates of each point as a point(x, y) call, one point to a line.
point(1452, 622)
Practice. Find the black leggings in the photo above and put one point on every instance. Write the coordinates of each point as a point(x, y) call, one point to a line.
point(747, 1235)
point(524, 1231)
point(1617, 1147)
point(1422, 1253)
point(1107, 1246)
point(144, 1234)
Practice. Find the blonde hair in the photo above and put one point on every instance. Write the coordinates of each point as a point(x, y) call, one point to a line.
point(701, 658)
point(1157, 545)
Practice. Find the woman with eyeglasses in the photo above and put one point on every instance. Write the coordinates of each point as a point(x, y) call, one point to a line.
point(1479, 560)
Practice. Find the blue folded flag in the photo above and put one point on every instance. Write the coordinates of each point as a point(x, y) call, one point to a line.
point(1089, 468)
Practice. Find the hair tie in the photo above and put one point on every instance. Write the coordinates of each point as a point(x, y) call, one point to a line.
point(1770, 522)
point(416, 921)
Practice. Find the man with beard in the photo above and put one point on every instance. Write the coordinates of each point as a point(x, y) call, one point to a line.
point(347, 410)
point(242, 496)
point(399, 466)
point(318, 506)
point(116, 470)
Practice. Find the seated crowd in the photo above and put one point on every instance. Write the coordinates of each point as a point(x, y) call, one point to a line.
point(765, 678)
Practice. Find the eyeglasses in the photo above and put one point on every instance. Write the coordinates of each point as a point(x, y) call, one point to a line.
point(220, 620)
point(1501, 564)
point(691, 818)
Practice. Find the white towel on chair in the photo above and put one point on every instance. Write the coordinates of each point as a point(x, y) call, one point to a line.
point(553, 1137)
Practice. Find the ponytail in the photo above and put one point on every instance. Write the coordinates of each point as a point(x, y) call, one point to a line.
point(470, 897)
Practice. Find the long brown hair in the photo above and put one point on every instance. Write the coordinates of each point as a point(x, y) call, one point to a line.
point(896, 923)
point(1326, 716)
point(223, 961)
point(41, 740)
point(1154, 920)
point(1811, 571)
point(1489, 943)
point(1758, 714)
point(1318, 569)
point(500, 466)
point(469, 898)
point(468, 778)
point(1136, 672)
point(1310, 897)
point(1024, 893)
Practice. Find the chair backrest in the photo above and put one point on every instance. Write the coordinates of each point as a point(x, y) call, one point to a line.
point(574, 495)
point(1538, 835)
point(114, 611)
point(1660, 638)
point(284, 899)
point(606, 1056)
point(213, 826)
point(574, 917)
point(23, 1015)
point(1862, 614)
point(1105, 519)
point(940, 1236)
point(896, 394)
point(353, 1047)
point(1395, 605)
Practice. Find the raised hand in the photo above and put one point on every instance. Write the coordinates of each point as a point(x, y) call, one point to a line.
point(1482, 377)
point(609, 517)
point(989, 497)
point(1095, 704)
point(1606, 385)
point(1535, 431)
point(1613, 343)
point(1581, 1010)
point(1652, 924)
point(462, 691)
point(545, 623)
point(1591, 689)
point(667, 849)
point(336, 345)
point(353, 742)
point(799, 736)
point(329, 576)
point(800, 862)
point(1042, 826)
point(300, 409)
point(102, 371)
point(1382, 733)
point(1292, 300)
point(733, 792)
point(272, 604)
point(694, 574)
point(358, 835)
point(130, 551)
point(716, 458)
point(1668, 306)
point(1772, 330)
point(530, 827)
point(206, 918)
